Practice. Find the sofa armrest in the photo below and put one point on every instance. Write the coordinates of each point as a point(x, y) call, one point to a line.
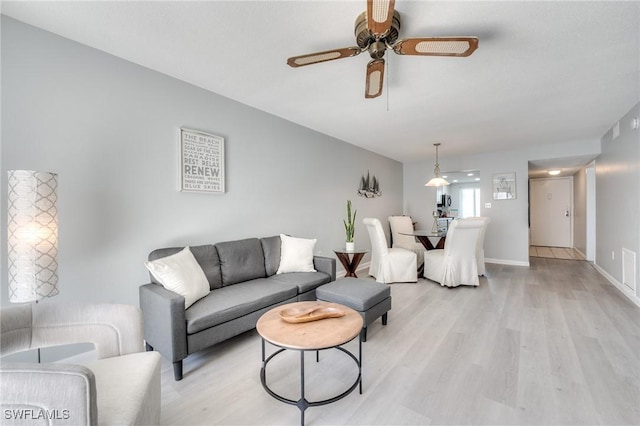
point(164, 322)
point(326, 265)
point(30, 393)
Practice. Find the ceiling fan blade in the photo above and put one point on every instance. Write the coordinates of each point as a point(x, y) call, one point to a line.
point(329, 55)
point(375, 76)
point(379, 16)
point(437, 46)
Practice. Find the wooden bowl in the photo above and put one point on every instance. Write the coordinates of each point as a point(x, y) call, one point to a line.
point(296, 315)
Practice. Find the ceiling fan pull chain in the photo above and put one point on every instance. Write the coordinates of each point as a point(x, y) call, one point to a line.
point(387, 83)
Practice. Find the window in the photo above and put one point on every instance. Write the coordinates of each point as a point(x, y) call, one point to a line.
point(469, 202)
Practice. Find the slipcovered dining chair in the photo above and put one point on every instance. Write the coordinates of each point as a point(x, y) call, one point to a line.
point(480, 246)
point(457, 263)
point(389, 265)
point(121, 387)
point(401, 225)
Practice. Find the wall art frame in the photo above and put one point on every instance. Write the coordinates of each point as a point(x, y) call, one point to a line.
point(504, 186)
point(202, 165)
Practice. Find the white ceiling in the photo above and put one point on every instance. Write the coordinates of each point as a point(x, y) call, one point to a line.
point(544, 72)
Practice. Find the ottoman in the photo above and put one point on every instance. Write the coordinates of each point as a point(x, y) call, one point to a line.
point(371, 299)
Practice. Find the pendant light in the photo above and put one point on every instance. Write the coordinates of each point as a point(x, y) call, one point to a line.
point(437, 180)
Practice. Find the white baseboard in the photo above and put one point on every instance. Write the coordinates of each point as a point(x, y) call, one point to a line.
point(506, 262)
point(623, 288)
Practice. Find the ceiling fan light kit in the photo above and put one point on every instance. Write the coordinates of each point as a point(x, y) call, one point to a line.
point(437, 180)
point(376, 30)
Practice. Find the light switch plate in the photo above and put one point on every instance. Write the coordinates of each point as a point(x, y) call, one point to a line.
point(487, 205)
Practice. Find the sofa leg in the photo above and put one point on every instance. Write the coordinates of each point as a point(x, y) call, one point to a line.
point(363, 334)
point(148, 347)
point(177, 370)
point(384, 318)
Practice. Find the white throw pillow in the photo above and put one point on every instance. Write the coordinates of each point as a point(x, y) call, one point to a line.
point(296, 255)
point(181, 274)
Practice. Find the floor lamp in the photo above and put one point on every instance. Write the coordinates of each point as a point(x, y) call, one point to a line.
point(32, 236)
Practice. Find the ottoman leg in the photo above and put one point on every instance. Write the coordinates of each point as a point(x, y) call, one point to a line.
point(384, 318)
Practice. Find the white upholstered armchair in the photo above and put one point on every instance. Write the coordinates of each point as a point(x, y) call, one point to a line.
point(389, 265)
point(457, 264)
point(121, 388)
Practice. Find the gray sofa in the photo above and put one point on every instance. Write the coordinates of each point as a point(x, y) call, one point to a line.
point(244, 285)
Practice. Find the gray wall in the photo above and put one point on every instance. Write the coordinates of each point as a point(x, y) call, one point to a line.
point(618, 198)
point(507, 238)
point(110, 129)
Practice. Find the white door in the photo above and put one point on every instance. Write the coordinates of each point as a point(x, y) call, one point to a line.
point(550, 209)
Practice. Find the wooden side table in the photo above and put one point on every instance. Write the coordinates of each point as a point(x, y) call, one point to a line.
point(350, 263)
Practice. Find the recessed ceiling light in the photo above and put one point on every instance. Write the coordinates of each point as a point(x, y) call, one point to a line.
point(469, 174)
point(554, 172)
point(455, 180)
point(445, 176)
point(477, 179)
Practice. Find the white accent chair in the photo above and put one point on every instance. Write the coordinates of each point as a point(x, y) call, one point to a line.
point(457, 264)
point(400, 225)
point(389, 265)
point(122, 387)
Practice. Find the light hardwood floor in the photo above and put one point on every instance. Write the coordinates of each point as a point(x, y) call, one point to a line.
point(553, 344)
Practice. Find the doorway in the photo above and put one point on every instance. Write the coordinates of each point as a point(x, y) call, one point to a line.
point(591, 212)
point(551, 212)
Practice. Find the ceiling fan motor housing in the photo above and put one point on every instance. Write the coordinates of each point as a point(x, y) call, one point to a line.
point(364, 37)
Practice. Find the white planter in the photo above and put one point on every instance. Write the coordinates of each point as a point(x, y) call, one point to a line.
point(350, 246)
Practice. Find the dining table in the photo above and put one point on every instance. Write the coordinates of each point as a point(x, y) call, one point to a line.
point(424, 236)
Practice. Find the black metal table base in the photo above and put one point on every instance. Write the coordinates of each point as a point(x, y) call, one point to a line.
point(303, 403)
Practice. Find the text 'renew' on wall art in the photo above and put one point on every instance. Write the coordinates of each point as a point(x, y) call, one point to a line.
point(504, 186)
point(201, 162)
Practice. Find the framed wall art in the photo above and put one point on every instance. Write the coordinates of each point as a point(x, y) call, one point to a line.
point(201, 162)
point(504, 186)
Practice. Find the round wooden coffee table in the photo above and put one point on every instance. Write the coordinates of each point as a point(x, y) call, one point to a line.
point(328, 333)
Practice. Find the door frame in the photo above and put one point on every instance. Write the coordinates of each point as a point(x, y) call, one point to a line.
point(590, 171)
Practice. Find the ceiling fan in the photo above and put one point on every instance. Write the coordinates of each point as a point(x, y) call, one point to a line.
point(376, 30)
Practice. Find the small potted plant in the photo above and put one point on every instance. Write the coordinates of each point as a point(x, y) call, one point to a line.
point(350, 227)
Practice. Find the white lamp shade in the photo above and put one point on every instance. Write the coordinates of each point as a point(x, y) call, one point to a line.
point(437, 181)
point(32, 235)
